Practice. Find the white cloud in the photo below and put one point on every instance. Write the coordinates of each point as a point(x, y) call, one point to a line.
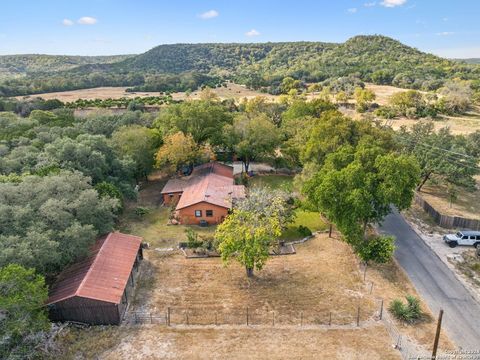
point(445, 33)
point(87, 20)
point(67, 22)
point(252, 32)
point(352, 10)
point(370, 4)
point(392, 3)
point(210, 14)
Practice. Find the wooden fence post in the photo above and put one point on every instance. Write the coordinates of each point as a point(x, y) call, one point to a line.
point(151, 322)
point(381, 310)
point(168, 316)
point(273, 318)
point(216, 323)
point(301, 318)
point(186, 314)
point(135, 314)
point(358, 316)
point(371, 288)
point(247, 315)
point(330, 319)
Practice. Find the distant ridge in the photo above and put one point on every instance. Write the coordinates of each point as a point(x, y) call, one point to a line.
point(173, 67)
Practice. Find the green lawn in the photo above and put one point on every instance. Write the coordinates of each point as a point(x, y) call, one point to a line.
point(283, 182)
point(309, 219)
point(154, 229)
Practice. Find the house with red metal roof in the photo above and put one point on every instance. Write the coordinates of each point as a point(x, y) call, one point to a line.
point(207, 195)
point(96, 290)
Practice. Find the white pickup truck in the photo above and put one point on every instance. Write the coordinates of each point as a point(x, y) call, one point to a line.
point(463, 237)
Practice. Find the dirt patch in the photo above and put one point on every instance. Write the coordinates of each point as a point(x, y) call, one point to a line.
point(390, 282)
point(383, 92)
point(159, 342)
point(469, 265)
point(466, 204)
point(304, 287)
point(459, 125)
point(231, 91)
point(222, 343)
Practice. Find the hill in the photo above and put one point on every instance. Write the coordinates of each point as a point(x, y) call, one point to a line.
point(469, 61)
point(15, 65)
point(179, 67)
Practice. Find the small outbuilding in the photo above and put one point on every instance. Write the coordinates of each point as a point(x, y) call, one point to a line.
point(97, 289)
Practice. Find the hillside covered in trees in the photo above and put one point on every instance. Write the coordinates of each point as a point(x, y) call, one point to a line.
point(181, 67)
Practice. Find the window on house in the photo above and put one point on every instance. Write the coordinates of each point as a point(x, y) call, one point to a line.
point(198, 213)
point(209, 213)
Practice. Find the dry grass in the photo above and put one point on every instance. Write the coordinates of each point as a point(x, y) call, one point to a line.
point(383, 92)
point(91, 94)
point(467, 203)
point(391, 282)
point(231, 91)
point(224, 343)
point(159, 342)
point(153, 226)
point(462, 124)
point(470, 266)
point(307, 282)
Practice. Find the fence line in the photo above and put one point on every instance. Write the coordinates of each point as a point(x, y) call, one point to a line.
point(253, 316)
point(446, 221)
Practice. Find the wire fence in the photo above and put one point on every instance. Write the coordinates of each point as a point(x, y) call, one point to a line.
point(251, 316)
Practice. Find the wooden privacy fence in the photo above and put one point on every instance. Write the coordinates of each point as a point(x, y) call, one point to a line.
point(251, 316)
point(446, 221)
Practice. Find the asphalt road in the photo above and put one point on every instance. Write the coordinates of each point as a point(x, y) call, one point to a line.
point(436, 284)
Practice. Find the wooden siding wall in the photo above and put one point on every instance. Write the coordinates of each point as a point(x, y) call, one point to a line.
point(167, 200)
point(446, 221)
point(97, 312)
point(85, 310)
point(187, 216)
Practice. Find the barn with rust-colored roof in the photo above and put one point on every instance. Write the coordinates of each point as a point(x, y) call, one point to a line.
point(205, 196)
point(96, 289)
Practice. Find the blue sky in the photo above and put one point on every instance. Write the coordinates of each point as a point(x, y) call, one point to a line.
point(102, 27)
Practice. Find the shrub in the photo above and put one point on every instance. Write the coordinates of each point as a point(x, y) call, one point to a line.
point(378, 249)
point(192, 239)
point(141, 211)
point(304, 231)
point(386, 112)
point(409, 312)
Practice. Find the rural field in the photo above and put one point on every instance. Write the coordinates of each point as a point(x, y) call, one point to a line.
point(232, 90)
point(459, 124)
point(291, 302)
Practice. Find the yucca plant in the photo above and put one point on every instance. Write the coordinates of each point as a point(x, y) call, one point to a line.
point(409, 312)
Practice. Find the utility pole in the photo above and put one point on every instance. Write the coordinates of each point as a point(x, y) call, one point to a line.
point(437, 335)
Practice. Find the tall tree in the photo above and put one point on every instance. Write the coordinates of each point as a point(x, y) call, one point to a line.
point(439, 154)
point(22, 313)
point(251, 137)
point(181, 150)
point(138, 143)
point(201, 119)
point(47, 222)
point(247, 237)
point(357, 186)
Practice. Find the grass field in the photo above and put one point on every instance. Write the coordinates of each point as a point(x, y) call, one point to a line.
point(230, 91)
point(159, 342)
point(467, 203)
